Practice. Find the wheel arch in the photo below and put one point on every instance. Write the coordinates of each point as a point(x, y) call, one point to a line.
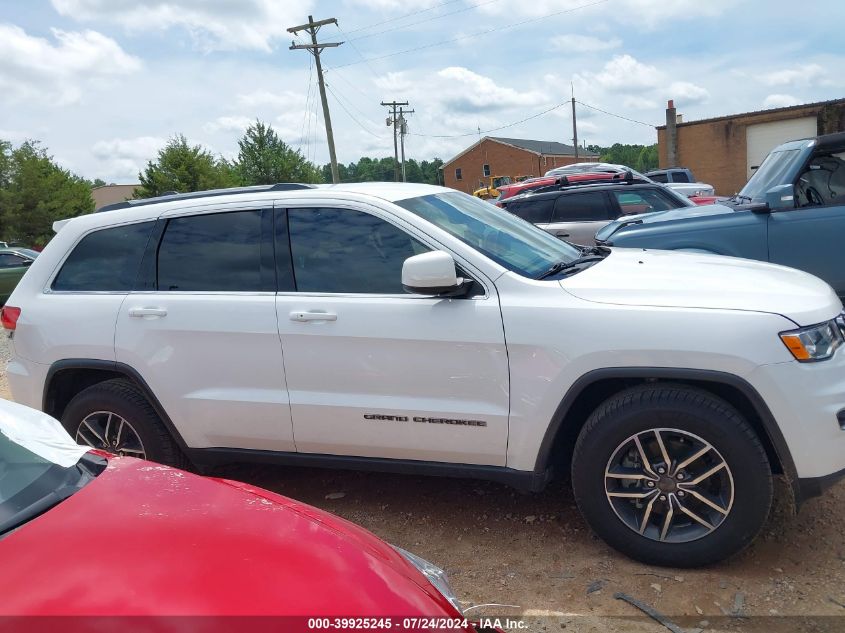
point(68, 377)
point(596, 386)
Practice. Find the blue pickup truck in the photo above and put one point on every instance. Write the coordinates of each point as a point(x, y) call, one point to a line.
point(791, 212)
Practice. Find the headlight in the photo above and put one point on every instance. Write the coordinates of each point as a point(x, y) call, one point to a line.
point(435, 575)
point(816, 342)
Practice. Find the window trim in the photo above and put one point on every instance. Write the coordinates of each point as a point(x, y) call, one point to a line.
point(477, 275)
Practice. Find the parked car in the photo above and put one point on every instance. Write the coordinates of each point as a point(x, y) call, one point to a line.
point(681, 180)
point(186, 544)
point(580, 168)
point(415, 328)
point(791, 212)
point(576, 212)
point(14, 262)
point(535, 184)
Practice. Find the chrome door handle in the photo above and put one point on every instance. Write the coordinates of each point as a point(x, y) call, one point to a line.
point(313, 316)
point(147, 312)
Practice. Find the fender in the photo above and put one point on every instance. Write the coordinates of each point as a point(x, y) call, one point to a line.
point(118, 368)
point(770, 426)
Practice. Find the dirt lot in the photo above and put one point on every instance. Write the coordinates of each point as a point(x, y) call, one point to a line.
point(535, 552)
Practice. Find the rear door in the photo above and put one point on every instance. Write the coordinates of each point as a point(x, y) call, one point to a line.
point(372, 370)
point(578, 215)
point(201, 329)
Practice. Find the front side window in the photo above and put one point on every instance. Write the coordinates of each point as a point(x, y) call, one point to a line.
point(348, 251)
point(106, 260)
point(581, 207)
point(643, 201)
point(220, 252)
point(7, 260)
point(659, 178)
point(504, 238)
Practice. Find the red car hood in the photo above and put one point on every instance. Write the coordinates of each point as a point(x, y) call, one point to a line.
point(147, 539)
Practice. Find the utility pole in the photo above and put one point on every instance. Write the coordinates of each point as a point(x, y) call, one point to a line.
point(315, 49)
point(574, 125)
point(403, 130)
point(393, 120)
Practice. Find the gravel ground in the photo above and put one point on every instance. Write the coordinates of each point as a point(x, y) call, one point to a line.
point(535, 552)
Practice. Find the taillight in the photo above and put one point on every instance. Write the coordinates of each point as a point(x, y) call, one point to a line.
point(9, 315)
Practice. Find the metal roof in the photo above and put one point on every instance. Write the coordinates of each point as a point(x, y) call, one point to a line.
point(540, 148)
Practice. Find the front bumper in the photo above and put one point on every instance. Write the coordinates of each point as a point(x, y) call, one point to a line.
point(805, 400)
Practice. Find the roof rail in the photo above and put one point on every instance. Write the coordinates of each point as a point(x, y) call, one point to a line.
point(170, 196)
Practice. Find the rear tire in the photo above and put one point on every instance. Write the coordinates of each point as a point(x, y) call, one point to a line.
point(656, 510)
point(115, 416)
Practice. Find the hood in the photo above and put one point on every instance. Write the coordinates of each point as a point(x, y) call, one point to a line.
point(664, 216)
point(145, 539)
point(692, 280)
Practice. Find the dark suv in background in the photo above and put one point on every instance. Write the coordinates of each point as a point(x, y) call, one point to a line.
point(576, 212)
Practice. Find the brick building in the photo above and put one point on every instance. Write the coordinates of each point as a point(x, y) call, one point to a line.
point(109, 194)
point(722, 151)
point(514, 157)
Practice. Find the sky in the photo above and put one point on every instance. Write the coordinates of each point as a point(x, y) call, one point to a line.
point(104, 83)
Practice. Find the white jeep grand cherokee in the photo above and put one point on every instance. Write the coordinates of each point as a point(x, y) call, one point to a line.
point(415, 328)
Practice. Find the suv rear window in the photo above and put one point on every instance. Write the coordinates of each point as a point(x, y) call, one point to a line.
point(106, 260)
point(534, 211)
point(219, 252)
point(581, 207)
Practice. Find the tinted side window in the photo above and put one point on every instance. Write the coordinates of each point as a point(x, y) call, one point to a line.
point(643, 201)
point(106, 260)
point(680, 176)
point(581, 207)
point(218, 252)
point(7, 260)
point(534, 211)
point(346, 251)
point(659, 178)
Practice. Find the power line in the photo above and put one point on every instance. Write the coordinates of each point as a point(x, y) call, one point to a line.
point(495, 129)
point(307, 100)
point(472, 35)
point(618, 116)
point(349, 114)
point(403, 16)
point(435, 17)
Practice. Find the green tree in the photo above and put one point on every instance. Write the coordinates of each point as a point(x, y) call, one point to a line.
point(639, 157)
point(265, 159)
point(381, 170)
point(35, 192)
point(182, 167)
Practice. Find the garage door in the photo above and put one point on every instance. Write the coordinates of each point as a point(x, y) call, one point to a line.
point(762, 138)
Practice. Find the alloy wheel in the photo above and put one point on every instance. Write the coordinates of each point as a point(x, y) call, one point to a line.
point(112, 433)
point(669, 485)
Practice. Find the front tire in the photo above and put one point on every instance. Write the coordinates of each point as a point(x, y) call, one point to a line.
point(114, 416)
point(671, 475)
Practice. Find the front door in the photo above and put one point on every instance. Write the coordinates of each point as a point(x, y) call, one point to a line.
point(204, 336)
point(578, 216)
point(373, 371)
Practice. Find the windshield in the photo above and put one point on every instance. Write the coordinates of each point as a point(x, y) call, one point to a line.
point(503, 237)
point(770, 174)
point(39, 465)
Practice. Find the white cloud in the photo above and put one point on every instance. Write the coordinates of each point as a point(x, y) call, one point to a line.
point(806, 75)
point(229, 124)
point(60, 70)
point(639, 103)
point(465, 90)
point(780, 101)
point(624, 73)
point(221, 24)
point(574, 43)
point(121, 159)
point(686, 93)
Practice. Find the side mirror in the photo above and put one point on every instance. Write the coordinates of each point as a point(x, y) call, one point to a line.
point(780, 198)
point(431, 274)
